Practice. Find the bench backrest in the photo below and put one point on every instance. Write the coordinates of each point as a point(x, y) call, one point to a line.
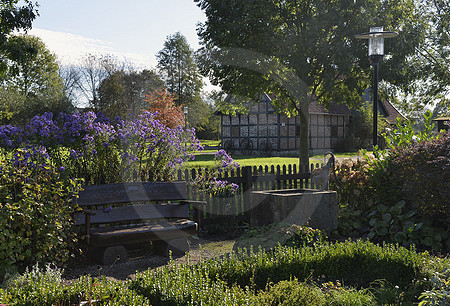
point(96, 195)
point(104, 199)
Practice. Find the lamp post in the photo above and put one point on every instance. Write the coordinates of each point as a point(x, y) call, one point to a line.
point(376, 38)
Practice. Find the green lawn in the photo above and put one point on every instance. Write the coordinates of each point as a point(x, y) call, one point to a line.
point(205, 159)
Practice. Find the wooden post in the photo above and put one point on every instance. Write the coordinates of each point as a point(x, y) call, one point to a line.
point(247, 189)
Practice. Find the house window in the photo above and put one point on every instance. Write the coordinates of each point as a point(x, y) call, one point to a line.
point(297, 130)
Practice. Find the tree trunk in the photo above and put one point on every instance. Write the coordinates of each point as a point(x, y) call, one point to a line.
point(304, 140)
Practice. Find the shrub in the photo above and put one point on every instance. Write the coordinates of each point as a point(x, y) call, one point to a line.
point(401, 194)
point(46, 287)
point(291, 293)
point(424, 170)
point(100, 150)
point(251, 279)
point(439, 294)
point(285, 234)
point(35, 212)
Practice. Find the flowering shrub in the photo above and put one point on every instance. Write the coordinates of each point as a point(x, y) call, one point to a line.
point(101, 151)
point(35, 211)
point(211, 182)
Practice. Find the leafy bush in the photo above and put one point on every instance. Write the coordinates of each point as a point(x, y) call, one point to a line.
point(46, 287)
point(353, 262)
point(439, 294)
point(261, 278)
point(403, 225)
point(401, 194)
point(424, 170)
point(35, 212)
point(285, 234)
point(291, 293)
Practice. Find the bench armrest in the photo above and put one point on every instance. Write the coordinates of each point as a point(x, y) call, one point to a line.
point(194, 203)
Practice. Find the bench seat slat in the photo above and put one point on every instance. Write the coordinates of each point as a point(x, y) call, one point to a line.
point(168, 229)
point(134, 213)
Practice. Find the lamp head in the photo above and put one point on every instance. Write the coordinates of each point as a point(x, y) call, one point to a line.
point(376, 38)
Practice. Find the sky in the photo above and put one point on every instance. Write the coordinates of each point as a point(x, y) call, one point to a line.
point(132, 30)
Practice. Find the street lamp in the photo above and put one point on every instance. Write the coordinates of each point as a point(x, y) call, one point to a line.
point(376, 38)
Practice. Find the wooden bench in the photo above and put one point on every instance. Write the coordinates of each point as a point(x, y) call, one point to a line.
point(116, 215)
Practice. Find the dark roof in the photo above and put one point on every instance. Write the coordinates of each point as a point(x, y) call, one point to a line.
point(389, 111)
point(333, 108)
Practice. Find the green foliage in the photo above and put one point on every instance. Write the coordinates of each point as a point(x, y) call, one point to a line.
point(179, 71)
point(401, 194)
point(291, 293)
point(338, 295)
point(361, 127)
point(35, 215)
point(46, 287)
point(401, 224)
point(355, 263)
point(294, 52)
point(32, 81)
point(285, 234)
point(121, 93)
point(15, 16)
point(440, 291)
point(310, 275)
point(404, 134)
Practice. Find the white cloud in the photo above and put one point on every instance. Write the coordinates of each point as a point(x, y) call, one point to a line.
point(70, 48)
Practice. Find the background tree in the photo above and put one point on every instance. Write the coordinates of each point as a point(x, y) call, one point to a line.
point(178, 69)
point(298, 51)
point(425, 82)
point(34, 77)
point(123, 92)
point(94, 68)
point(13, 18)
point(70, 78)
point(163, 102)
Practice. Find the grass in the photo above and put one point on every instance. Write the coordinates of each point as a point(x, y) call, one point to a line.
point(205, 159)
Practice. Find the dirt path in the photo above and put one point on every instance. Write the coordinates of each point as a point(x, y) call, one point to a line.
point(203, 248)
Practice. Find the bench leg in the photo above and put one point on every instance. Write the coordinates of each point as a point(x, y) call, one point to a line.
point(110, 255)
point(178, 246)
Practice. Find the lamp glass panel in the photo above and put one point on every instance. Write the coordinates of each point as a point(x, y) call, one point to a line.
point(376, 45)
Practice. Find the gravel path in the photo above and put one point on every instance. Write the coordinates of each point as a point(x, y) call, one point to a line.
point(203, 248)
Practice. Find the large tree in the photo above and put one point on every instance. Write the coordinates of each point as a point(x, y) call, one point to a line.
point(33, 74)
point(298, 50)
point(426, 80)
point(123, 93)
point(179, 70)
point(15, 16)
